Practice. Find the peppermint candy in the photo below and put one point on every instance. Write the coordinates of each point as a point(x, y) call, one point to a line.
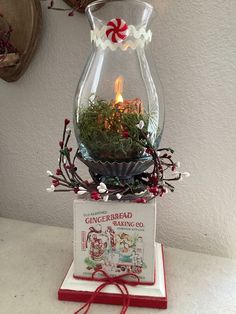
point(117, 30)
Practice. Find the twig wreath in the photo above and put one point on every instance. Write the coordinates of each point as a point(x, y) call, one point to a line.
point(142, 188)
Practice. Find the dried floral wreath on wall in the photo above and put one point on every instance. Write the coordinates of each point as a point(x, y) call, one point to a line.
point(7, 50)
point(141, 188)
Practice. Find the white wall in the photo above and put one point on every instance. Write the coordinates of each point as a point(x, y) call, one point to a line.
point(195, 49)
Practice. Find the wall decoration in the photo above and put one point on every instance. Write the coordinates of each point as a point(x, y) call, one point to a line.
point(80, 5)
point(20, 25)
point(75, 6)
point(9, 55)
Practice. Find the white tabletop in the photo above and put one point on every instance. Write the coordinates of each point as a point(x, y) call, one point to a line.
point(35, 258)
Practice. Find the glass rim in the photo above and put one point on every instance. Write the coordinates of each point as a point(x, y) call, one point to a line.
point(94, 3)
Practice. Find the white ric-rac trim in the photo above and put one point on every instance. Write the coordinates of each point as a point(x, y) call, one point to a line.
point(136, 38)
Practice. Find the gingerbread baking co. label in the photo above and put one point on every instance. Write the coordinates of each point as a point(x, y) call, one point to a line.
point(116, 240)
point(117, 219)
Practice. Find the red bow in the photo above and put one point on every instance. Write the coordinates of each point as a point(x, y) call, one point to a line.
point(117, 281)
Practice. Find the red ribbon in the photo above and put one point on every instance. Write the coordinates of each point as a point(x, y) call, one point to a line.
point(119, 282)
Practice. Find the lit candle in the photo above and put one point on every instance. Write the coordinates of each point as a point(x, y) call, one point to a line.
point(118, 89)
point(125, 105)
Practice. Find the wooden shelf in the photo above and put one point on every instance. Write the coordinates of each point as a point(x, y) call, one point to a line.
point(34, 259)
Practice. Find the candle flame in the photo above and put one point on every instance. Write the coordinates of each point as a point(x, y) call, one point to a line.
point(118, 89)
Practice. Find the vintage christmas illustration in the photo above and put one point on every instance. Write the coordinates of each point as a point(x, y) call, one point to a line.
point(113, 251)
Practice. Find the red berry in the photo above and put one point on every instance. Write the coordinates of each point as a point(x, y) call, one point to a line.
point(154, 180)
point(61, 144)
point(154, 190)
point(58, 172)
point(149, 151)
point(95, 196)
point(141, 200)
point(125, 134)
point(67, 121)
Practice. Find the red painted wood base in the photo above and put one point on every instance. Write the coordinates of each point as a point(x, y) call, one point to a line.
point(154, 296)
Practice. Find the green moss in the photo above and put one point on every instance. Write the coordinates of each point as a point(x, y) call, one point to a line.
point(101, 127)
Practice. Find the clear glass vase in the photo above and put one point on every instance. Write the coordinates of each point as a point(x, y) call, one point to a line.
point(119, 90)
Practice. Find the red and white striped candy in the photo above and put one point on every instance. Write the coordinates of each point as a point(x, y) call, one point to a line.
point(117, 30)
